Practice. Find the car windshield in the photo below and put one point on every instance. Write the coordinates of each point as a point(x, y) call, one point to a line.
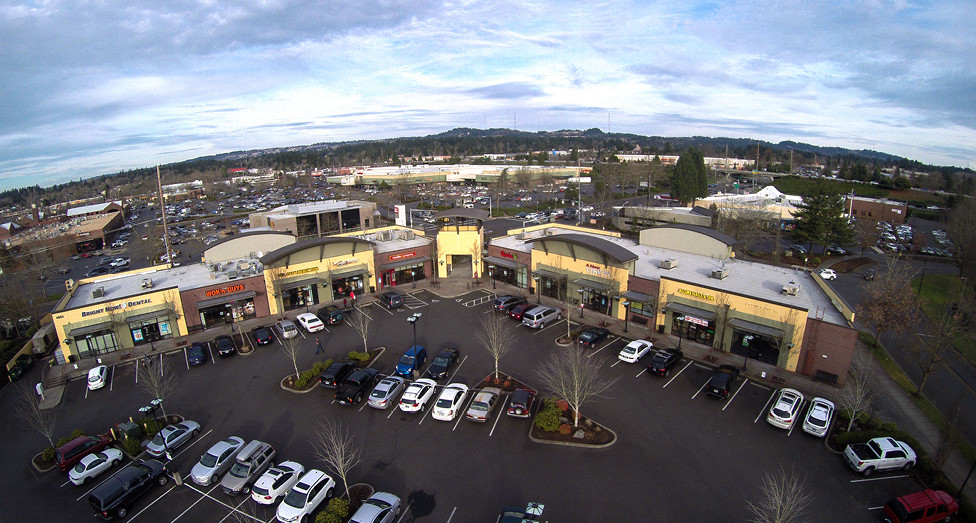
point(208, 460)
point(378, 393)
point(781, 411)
point(261, 333)
point(158, 440)
point(296, 498)
point(260, 491)
point(239, 470)
point(288, 327)
point(587, 336)
point(629, 350)
point(93, 378)
point(407, 359)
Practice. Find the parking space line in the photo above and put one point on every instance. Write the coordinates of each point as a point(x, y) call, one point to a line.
point(210, 350)
point(615, 363)
point(393, 408)
point(594, 353)
point(195, 441)
point(449, 518)
point(727, 403)
point(134, 516)
point(771, 396)
point(456, 369)
point(121, 466)
point(403, 514)
point(699, 390)
point(793, 426)
point(678, 373)
point(205, 496)
point(641, 372)
point(86, 392)
point(135, 367)
point(428, 409)
point(274, 332)
point(549, 327)
point(470, 400)
point(384, 309)
point(879, 478)
point(498, 416)
point(238, 509)
point(111, 379)
point(360, 310)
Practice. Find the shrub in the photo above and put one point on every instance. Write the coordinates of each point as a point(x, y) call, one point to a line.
point(306, 376)
point(358, 356)
point(562, 405)
point(547, 420)
point(339, 507)
point(565, 429)
point(131, 446)
point(74, 434)
point(48, 454)
point(149, 426)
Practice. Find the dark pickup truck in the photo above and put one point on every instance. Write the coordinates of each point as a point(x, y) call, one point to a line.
point(356, 385)
point(113, 497)
point(336, 373)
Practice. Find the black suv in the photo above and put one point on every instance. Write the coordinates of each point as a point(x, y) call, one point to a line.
point(442, 364)
point(357, 384)
point(505, 303)
point(722, 380)
point(330, 315)
point(662, 362)
point(113, 497)
point(336, 373)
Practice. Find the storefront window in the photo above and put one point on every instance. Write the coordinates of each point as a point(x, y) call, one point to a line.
point(403, 275)
point(554, 288)
point(343, 287)
point(755, 346)
point(148, 331)
point(95, 344)
point(644, 309)
point(694, 329)
point(228, 312)
point(505, 275)
point(299, 297)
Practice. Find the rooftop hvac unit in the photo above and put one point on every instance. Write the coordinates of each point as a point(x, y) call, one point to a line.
point(720, 274)
point(410, 235)
point(146, 283)
point(243, 266)
point(520, 236)
point(69, 284)
point(231, 274)
point(791, 288)
point(98, 292)
point(668, 264)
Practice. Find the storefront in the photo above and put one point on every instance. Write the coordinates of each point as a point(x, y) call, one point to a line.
point(641, 306)
point(595, 295)
point(551, 284)
point(691, 323)
point(504, 268)
point(755, 341)
point(349, 280)
point(93, 340)
point(403, 268)
point(149, 327)
point(299, 293)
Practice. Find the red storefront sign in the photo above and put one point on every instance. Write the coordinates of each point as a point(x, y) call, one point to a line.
point(506, 254)
point(226, 290)
point(403, 255)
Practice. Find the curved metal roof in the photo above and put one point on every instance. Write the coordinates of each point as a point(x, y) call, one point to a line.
point(607, 247)
point(242, 234)
point(274, 256)
point(712, 233)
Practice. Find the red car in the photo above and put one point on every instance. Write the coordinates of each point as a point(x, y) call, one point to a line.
point(517, 312)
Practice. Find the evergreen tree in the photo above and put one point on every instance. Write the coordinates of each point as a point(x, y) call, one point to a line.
point(690, 178)
point(820, 219)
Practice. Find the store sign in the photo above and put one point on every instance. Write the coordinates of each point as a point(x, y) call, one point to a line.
point(301, 271)
point(111, 308)
point(696, 294)
point(226, 290)
point(403, 255)
point(696, 321)
point(340, 263)
point(506, 254)
point(596, 270)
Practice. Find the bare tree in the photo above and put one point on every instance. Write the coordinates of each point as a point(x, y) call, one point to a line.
point(174, 311)
point(361, 323)
point(747, 223)
point(523, 177)
point(723, 304)
point(290, 347)
point(496, 333)
point(963, 234)
point(28, 409)
point(891, 305)
point(575, 377)
point(156, 378)
point(783, 498)
point(335, 446)
point(929, 350)
point(858, 393)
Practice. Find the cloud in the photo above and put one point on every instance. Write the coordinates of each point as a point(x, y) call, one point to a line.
point(507, 91)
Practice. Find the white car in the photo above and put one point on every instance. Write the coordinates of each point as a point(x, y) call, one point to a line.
point(306, 496)
point(216, 461)
point(276, 481)
point(819, 416)
point(450, 402)
point(786, 407)
point(417, 395)
point(93, 465)
point(311, 322)
point(635, 350)
point(287, 328)
point(97, 377)
point(828, 274)
point(381, 507)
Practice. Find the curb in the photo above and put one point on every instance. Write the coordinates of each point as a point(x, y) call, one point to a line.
point(39, 469)
point(574, 444)
point(372, 361)
point(294, 391)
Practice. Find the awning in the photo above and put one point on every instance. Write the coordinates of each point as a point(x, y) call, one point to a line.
point(548, 274)
point(681, 308)
point(495, 260)
point(351, 271)
point(591, 284)
point(756, 328)
point(226, 298)
point(638, 296)
point(147, 315)
point(404, 263)
point(90, 329)
point(299, 283)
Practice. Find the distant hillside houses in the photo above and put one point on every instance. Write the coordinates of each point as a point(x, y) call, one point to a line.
point(714, 163)
point(424, 173)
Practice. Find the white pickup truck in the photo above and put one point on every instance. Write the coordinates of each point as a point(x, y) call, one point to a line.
point(879, 454)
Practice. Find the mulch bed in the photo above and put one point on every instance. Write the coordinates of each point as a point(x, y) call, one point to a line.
point(594, 433)
point(357, 494)
point(504, 382)
point(289, 382)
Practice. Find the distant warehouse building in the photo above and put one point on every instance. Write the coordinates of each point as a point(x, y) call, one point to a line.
point(876, 210)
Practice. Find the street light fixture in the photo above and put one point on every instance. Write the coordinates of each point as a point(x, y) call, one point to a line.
point(626, 305)
point(580, 291)
point(151, 410)
point(538, 290)
point(413, 321)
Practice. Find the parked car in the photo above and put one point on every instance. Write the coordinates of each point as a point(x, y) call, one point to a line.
point(94, 464)
point(215, 461)
point(67, 455)
point(355, 386)
point(926, 506)
point(828, 274)
point(174, 437)
point(879, 454)
point(663, 360)
point(417, 394)
point(262, 335)
point(819, 416)
point(505, 303)
point(450, 402)
point(120, 262)
point(287, 328)
point(381, 507)
point(98, 271)
point(786, 407)
point(63, 270)
point(634, 351)
point(411, 360)
point(97, 377)
point(591, 336)
point(334, 375)
point(441, 366)
point(276, 481)
point(22, 364)
point(306, 496)
point(391, 299)
point(196, 354)
point(537, 317)
point(116, 494)
point(330, 314)
point(385, 392)
point(520, 402)
point(518, 310)
point(722, 380)
point(483, 403)
point(225, 346)
point(310, 322)
point(249, 464)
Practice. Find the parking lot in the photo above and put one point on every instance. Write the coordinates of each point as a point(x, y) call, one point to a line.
point(680, 455)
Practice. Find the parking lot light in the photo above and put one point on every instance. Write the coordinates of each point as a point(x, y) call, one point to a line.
point(626, 305)
point(413, 321)
point(151, 410)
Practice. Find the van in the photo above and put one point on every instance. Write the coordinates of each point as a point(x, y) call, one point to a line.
point(392, 300)
point(113, 497)
point(251, 462)
point(538, 317)
point(411, 360)
point(67, 455)
point(921, 507)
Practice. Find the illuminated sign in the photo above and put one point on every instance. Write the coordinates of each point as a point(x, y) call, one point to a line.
point(403, 255)
point(226, 290)
point(696, 321)
point(340, 263)
point(696, 294)
point(110, 308)
point(597, 271)
point(506, 254)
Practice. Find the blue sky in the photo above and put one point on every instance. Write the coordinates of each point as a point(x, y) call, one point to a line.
point(94, 87)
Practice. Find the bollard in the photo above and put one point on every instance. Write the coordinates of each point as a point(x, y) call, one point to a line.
point(177, 477)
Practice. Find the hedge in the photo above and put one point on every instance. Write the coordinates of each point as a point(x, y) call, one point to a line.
point(317, 369)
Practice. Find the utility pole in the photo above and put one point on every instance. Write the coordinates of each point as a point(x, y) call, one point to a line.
point(791, 160)
point(162, 211)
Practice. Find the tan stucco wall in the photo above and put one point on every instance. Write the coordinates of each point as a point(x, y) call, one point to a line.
point(586, 264)
point(683, 240)
point(465, 240)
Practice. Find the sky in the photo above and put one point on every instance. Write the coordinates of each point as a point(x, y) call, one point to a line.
point(96, 87)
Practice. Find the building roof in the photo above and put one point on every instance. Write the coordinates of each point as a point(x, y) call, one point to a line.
point(274, 256)
point(94, 224)
point(248, 232)
point(460, 212)
point(303, 209)
point(712, 233)
point(88, 209)
point(596, 243)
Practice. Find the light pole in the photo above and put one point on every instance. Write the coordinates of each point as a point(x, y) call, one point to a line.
point(151, 410)
point(413, 321)
point(491, 275)
point(538, 290)
point(580, 291)
point(679, 318)
point(626, 305)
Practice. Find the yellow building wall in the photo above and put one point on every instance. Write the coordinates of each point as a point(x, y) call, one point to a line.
point(585, 230)
point(586, 268)
point(133, 305)
point(465, 240)
point(791, 320)
point(316, 267)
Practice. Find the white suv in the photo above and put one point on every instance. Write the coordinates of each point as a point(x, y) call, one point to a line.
point(306, 496)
